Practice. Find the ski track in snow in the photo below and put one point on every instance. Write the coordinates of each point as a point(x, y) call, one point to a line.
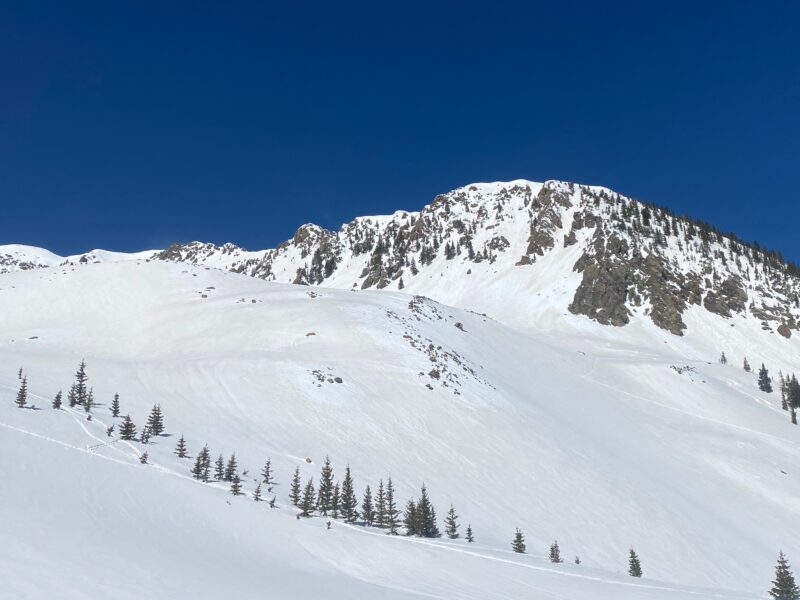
point(449, 548)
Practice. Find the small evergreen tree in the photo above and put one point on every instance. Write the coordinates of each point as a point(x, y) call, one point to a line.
point(784, 586)
point(88, 403)
point(392, 513)
point(115, 406)
point(236, 485)
point(266, 473)
point(145, 435)
point(72, 396)
point(232, 468)
point(793, 397)
point(81, 380)
point(127, 430)
point(634, 566)
point(202, 465)
point(411, 519)
point(219, 468)
point(257, 493)
point(577, 560)
point(325, 492)
point(367, 510)
point(764, 382)
point(348, 502)
point(110, 430)
point(746, 365)
point(518, 543)
point(155, 422)
point(294, 488)
point(723, 360)
point(469, 536)
point(307, 504)
point(784, 403)
point(22, 394)
point(426, 515)
point(451, 524)
point(337, 496)
point(57, 401)
point(143, 458)
point(180, 449)
point(555, 553)
point(380, 506)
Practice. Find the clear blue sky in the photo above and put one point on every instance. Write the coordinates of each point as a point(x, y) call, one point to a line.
point(129, 125)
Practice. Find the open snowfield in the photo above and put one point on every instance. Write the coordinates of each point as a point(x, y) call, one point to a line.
point(570, 430)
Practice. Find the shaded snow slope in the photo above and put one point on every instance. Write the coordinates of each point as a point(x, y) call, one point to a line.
point(579, 433)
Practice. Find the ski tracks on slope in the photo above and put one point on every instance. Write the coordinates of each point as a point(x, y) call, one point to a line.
point(595, 578)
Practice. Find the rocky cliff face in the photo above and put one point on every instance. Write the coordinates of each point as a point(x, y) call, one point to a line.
point(632, 258)
point(514, 247)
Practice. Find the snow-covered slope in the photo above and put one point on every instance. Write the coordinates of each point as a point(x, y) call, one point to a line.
point(568, 429)
point(18, 257)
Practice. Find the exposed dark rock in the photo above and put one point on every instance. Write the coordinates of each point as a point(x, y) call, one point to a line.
point(730, 297)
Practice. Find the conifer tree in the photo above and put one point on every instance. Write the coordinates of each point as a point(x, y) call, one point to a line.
point(426, 515)
point(518, 543)
point(155, 422)
point(72, 396)
point(115, 406)
point(294, 488)
point(231, 468)
point(723, 360)
point(236, 485)
point(634, 566)
point(411, 518)
point(746, 365)
point(793, 397)
point(470, 537)
point(325, 492)
point(307, 504)
point(80, 385)
point(180, 449)
point(127, 430)
point(348, 503)
point(577, 560)
point(392, 513)
point(784, 403)
point(202, 464)
point(143, 458)
point(266, 473)
point(257, 493)
point(57, 401)
point(337, 497)
point(367, 510)
point(144, 437)
point(451, 524)
point(88, 403)
point(219, 468)
point(764, 382)
point(784, 586)
point(19, 374)
point(555, 553)
point(22, 394)
point(110, 430)
point(380, 506)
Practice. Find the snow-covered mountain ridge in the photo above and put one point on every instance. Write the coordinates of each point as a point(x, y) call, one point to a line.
point(520, 251)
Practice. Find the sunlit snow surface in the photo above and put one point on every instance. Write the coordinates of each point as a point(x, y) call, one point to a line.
point(567, 429)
